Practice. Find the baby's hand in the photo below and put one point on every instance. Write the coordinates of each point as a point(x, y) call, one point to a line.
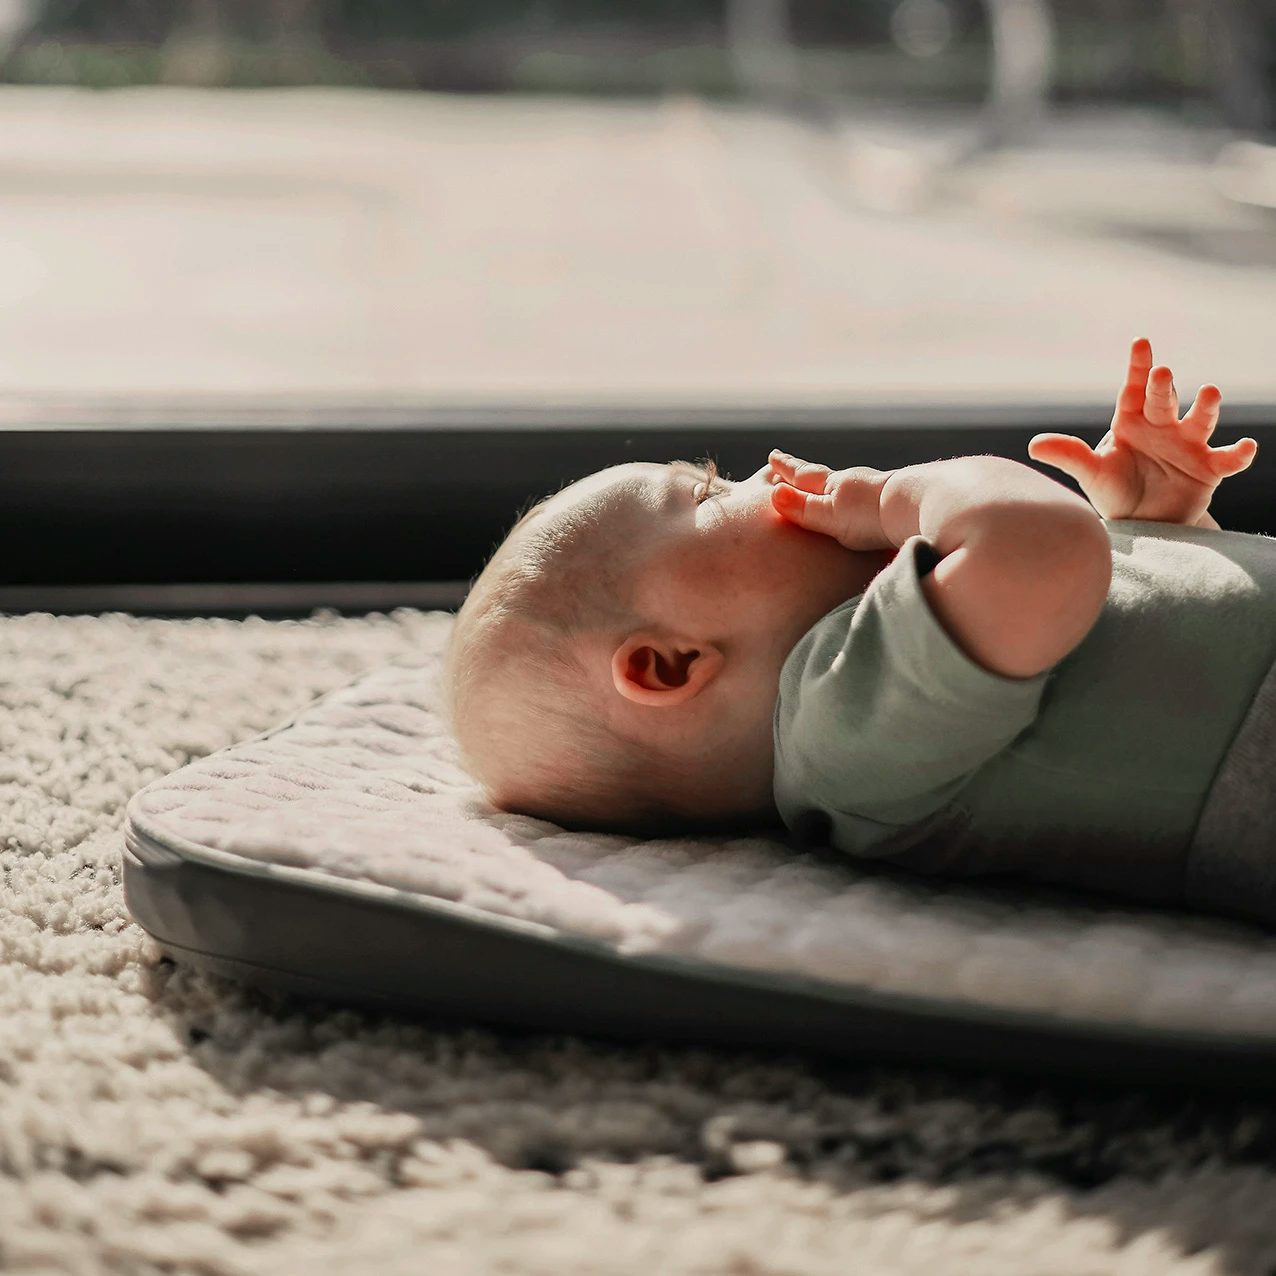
point(843, 504)
point(1150, 465)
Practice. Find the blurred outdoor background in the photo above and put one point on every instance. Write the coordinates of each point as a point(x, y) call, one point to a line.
point(947, 202)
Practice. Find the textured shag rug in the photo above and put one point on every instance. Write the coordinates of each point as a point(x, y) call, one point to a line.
point(157, 1120)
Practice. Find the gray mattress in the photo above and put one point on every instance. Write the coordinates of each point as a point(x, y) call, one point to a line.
point(345, 855)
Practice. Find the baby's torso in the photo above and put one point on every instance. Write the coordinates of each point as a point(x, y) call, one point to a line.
point(1135, 721)
point(1103, 786)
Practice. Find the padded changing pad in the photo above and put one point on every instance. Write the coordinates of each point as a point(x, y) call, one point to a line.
point(346, 855)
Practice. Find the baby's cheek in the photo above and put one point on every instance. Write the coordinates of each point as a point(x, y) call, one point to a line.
point(691, 580)
point(747, 565)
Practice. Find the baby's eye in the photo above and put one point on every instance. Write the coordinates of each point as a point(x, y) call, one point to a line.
point(710, 486)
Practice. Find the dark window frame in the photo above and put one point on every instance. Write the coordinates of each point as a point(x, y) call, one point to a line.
point(229, 510)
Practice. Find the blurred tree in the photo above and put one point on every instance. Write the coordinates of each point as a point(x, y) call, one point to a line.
point(1243, 41)
point(200, 45)
point(1112, 49)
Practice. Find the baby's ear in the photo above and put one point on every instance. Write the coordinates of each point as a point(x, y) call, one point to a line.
point(660, 669)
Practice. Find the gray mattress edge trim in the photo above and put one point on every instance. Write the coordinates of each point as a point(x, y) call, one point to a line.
point(150, 848)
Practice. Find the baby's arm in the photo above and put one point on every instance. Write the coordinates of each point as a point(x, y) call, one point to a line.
point(1025, 563)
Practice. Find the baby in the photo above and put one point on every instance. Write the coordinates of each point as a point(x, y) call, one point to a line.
point(956, 667)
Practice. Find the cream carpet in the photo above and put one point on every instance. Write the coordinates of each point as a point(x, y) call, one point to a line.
point(155, 1120)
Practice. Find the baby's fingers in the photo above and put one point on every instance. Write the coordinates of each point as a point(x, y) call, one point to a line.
point(811, 510)
point(1161, 402)
point(1234, 458)
point(1130, 399)
point(806, 475)
point(1067, 453)
point(1203, 414)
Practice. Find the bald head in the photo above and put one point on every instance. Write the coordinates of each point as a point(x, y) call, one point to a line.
point(513, 668)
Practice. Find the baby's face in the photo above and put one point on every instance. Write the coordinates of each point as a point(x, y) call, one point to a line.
point(713, 589)
point(720, 557)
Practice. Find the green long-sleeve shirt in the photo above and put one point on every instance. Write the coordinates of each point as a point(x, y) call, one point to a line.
point(893, 743)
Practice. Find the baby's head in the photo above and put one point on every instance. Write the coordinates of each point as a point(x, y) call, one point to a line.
point(616, 663)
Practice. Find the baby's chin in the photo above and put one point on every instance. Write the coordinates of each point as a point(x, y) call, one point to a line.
point(833, 571)
point(826, 580)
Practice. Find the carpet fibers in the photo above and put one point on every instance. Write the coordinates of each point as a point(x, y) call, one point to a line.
point(158, 1120)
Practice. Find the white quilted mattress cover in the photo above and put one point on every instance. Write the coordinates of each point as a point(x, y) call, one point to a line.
point(365, 785)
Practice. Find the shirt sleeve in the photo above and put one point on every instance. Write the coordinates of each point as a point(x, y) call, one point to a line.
point(882, 718)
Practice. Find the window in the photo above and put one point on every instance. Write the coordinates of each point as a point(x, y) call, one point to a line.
point(276, 273)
